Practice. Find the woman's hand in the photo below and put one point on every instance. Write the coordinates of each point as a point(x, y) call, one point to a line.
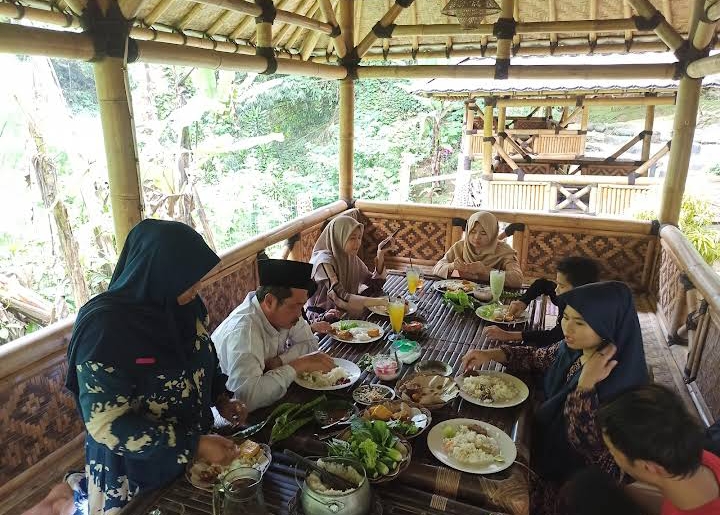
point(459, 266)
point(516, 307)
point(384, 246)
point(332, 315)
point(477, 358)
point(493, 332)
point(216, 449)
point(232, 410)
point(478, 269)
point(597, 368)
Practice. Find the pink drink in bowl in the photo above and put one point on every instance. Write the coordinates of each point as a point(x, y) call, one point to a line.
point(386, 367)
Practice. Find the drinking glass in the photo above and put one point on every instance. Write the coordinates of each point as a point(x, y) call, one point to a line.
point(239, 493)
point(497, 283)
point(396, 312)
point(413, 276)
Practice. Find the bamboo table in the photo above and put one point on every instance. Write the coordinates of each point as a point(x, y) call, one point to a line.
point(426, 486)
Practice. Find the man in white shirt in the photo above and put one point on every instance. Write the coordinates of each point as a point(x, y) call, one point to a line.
point(265, 342)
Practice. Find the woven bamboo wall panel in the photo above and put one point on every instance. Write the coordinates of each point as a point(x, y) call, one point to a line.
point(669, 287)
point(530, 123)
point(607, 169)
point(619, 200)
point(518, 195)
point(417, 239)
point(308, 238)
point(37, 417)
point(563, 144)
point(527, 168)
point(622, 257)
point(227, 292)
point(707, 377)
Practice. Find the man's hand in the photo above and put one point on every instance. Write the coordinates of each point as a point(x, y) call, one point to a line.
point(232, 410)
point(315, 362)
point(216, 449)
point(321, 327)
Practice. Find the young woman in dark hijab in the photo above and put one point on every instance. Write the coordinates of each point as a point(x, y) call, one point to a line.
point(144, 371)
point(601, 355)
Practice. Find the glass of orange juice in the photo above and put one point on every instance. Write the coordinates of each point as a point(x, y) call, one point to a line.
point(396, 312)
point(413, 276)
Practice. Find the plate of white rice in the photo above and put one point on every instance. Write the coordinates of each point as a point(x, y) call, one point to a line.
point(471, 446)
point(343, 375)
point(492, 389)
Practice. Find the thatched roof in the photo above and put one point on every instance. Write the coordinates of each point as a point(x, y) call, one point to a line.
point(567, 86)
point(220, 20)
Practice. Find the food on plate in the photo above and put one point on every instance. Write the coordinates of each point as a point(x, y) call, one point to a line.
point(499, 313)
point(459, 285)
point(365, 362)
point(354, 332)
point(459, 301)
point(248, 454)
point(433, 367)
point(290, 416)
point(402, 418)
point(428, 390)
point(490, 388)
point(373, 333)
point(412, 327)
point(335, 377)
point(372, 393)
point(471, 444)
point(344, 335)
point(372, 444)
point(483, 294)
point(344, 471)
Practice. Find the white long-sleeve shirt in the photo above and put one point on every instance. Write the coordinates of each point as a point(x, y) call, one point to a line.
point(245, 340)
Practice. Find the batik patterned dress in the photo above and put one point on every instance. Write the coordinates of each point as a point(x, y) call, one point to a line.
point(144, 424)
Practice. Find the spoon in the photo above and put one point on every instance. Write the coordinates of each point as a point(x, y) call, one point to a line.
point(250, 430)
point(342, 420)
point(331, 480)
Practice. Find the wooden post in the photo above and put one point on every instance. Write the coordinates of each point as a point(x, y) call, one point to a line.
point(487, 139)
point(346, 17)
point(113, 93)
point(584, 127)
point(501, 123)
point(647, 140)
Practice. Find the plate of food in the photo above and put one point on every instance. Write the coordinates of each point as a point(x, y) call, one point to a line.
point(343, 375)
point(249, 454)
point(410, 308)
point(492, 389)
point(455, 285)
point(403, 418)
point(368, 394)
point(471, 446)
point(356, 331)
point(429, 391)
point(498, 313)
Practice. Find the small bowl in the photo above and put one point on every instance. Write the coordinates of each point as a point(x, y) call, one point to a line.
point(413, 328)
point(330, 411)
point(434, 367)
point(360, 390)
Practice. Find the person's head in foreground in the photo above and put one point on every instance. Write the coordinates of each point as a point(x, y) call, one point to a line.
point(593, 492)
point(574, 271)
point(651, 435)
point(285, 287)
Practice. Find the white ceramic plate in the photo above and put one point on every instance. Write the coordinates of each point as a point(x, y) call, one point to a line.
point(520, 318)
point(361, 328)
point(435, 440)
point(455, 284)
point(382, 310)
point(192, 470)
point(353, 375)
point(522, 388)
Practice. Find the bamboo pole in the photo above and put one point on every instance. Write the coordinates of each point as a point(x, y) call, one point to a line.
point(282, 16)
point(329, 13)
point(487, 142)
point(346, 15)
point(552, 17)
point(704, 67)
point(370, 38)
point(113, 93)
point(299, 31)
point(49, 43)
point(579, 180)
point(598, 101)
point(592, 36)
point(455, 29)
point(643, 168)
point(501, 124)
point(627, 146)
point(619, 71)
point(157, 12)
point(647, 139)
point(18, 12)
point(664, 30)
point(504, 44)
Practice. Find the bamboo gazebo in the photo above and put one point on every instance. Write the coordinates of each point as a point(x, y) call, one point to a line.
point(346, 40)
point(538, 163)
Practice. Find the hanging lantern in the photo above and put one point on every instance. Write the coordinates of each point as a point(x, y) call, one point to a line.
point(471, 13)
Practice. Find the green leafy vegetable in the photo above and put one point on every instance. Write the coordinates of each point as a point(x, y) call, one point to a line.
point(289, 417)
point(402, 427)
point(449, 432)
point(346, 325)
point(487, 310)
point(365, 363)
point(458, 300)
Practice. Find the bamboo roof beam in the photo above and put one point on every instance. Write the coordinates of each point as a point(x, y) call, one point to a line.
point(618, 71)
point(215, 27)
point(282, 16)
point(295, 36)
point(286, 28)
point(643, 168)
point(592, 15)
point(599, 101)
point(516, 17)
point(189, 16)
point(505, 30)
point(335, 36)
point(50, 43)
point(704, 67)
point(130, 8)
point(663, 29)
point(178, 39)
point(157, 12)
point(380, 27)
point(705, 30)
point(538, 27)
point(76, 6)
point(552, 16)
point(627, 12)
point(18, 12)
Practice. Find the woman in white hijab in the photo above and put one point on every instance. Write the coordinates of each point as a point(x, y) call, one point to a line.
point(340, 274)
point(479, 252)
